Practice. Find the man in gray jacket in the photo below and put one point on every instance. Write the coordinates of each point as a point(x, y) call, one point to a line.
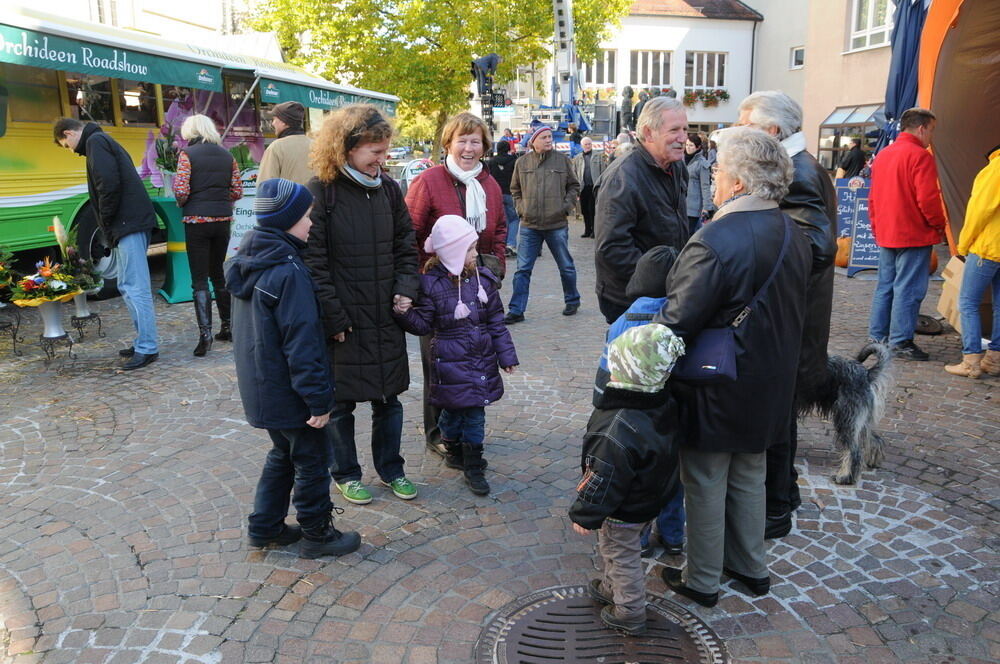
point(587, 167)
point(641, 201)
point(544, 190)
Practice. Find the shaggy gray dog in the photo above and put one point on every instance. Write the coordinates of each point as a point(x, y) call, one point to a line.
point(853, 397)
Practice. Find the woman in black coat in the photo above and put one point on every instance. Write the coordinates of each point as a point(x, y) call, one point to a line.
point(728, 426)
point(363, 258)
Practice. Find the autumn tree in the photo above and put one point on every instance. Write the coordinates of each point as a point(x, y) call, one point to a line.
point(421, 50)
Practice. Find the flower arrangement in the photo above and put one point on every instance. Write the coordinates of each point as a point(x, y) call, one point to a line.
point(81, 269)
point(49, 284)
point(710, 98)
point(166, 149)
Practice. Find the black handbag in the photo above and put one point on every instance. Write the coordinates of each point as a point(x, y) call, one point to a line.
point(711, 356)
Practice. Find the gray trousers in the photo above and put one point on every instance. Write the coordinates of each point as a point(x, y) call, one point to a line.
point(621, 567)
point(724, 499)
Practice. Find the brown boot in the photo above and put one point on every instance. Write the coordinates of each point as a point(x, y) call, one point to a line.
point(969, 366)
point(991, 363)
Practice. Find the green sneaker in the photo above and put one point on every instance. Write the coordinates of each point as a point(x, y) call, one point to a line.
point(403, 488)
point(355, 492)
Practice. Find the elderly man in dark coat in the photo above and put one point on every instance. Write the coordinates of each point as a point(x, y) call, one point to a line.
point(812, 203)
point(641, 202)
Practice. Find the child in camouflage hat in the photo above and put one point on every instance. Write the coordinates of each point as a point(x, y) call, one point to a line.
point(630, 450)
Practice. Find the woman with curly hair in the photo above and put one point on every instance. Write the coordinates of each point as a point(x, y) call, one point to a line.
point(363, 258)
point(461, 186)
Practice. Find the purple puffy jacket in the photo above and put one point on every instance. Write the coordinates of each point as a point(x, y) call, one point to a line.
point(466, 354)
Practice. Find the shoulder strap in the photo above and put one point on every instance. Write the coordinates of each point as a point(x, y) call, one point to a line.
point(740, 317)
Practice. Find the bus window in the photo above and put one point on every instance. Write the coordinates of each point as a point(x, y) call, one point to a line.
point(266, 115)
point(90, 98)
point(33, 93)
point(137, 101)
point(246, 123)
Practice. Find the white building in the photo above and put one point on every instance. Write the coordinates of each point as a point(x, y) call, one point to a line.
point(689, 46)
point(781, 54)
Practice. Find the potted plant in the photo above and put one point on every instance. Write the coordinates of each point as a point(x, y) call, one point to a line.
point(166, 155)
point(46, 289)
point(87, 278)
point(690, 97)
point(7, 273)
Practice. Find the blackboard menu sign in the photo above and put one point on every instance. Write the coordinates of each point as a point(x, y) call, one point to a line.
point(853, 222)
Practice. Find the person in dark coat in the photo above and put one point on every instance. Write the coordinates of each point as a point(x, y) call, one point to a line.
point(588, 167)
point(811, 202)
point(461, 186)
point(641, 202)
point(126, 217)
point(363, 257)
point(283, 375)
point(208, 182)
point(853, 160)
point(501, 168)
point(727, 426)
point(699, 193)
point(460, 308)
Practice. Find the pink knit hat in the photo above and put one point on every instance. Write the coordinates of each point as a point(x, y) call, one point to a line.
point(450, 240)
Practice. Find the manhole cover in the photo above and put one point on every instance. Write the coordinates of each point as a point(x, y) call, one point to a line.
point(563, 624)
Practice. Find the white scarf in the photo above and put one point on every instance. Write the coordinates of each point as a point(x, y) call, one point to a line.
point(475, 195)
point(794, 144)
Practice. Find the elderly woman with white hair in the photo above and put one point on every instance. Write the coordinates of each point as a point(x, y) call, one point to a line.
point(207, 183)
point(812, 203)
point(750, 257)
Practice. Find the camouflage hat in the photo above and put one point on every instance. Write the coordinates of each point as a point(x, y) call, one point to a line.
point(641, 358)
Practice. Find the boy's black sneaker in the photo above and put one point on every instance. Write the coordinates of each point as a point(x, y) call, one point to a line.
point(907, 350)
point(627, 627)
point(325, 540)
point(288, 535)
point(674, 580)
point(673, 549)
point(596, 594)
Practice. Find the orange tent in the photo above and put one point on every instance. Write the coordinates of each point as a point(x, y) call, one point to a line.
point(959, 79)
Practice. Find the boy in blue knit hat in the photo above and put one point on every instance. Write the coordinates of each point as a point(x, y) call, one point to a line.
point(283, 374)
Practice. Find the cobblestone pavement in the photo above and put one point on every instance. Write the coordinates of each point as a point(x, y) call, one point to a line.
point(123, 498)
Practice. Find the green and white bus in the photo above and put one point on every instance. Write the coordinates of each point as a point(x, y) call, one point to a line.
point(139, 88)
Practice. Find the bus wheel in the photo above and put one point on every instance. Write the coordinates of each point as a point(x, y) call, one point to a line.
point(91, 244)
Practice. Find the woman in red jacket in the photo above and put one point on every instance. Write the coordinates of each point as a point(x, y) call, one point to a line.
point(461, 186)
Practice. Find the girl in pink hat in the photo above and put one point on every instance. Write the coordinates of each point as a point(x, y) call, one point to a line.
point(460, 307)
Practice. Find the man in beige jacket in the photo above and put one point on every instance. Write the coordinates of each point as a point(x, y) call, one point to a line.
point(544, 189)
point(288, 156)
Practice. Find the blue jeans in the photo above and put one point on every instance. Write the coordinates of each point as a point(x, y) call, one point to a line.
point(903, 275)
point(134, 285)
point(979, 274)
point(530, 243)
point(513, 221)
point(297, 461)
point(387, 430)
point(463, 425)
point(670, 521)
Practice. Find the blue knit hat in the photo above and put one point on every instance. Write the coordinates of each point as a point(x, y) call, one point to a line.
point(281, 203)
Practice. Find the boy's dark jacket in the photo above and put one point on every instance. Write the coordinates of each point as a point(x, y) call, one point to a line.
point(629, 456)
point(278, 341)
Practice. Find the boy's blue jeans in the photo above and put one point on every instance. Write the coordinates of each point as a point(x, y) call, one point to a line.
point(670, 521)
point(463, 425)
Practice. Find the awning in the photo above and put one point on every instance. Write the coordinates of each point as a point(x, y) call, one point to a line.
point(316, 94)
point(860, 115)
point(23, 46)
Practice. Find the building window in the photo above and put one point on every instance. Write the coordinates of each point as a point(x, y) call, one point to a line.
point(871, 23)
point(844, 123)
point(797, 57)
point(649, 68)
point(602, 70)
point(704, 70)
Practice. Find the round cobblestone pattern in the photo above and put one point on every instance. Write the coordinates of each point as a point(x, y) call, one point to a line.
point(124, 496)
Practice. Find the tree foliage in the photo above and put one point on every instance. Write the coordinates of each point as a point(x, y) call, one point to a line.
point(421, 50)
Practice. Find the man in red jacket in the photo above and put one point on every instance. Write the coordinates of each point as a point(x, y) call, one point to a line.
point(907, 221)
